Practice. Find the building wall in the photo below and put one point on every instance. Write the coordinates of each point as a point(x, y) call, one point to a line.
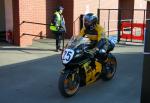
point(68, 15)
point(140, 4)
point(2, 21)
point(105, 14)
point(41, 11)
point(16, 24)
point(112, 4)
point(50, 9)
point(31, 11)
point(127, 7)
point(2, 15)
point(34, 11)
point(139, 14)
point(83, 7)
point(8, 15)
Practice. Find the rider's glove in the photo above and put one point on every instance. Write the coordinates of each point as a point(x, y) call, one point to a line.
point(102, 51)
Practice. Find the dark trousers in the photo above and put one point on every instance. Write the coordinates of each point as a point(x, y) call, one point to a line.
point(58, 37)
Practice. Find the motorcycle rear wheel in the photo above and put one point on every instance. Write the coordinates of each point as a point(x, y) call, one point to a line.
point(69, 84)
point(109, 69)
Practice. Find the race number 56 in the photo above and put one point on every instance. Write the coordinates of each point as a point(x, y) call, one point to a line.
point(67, 55)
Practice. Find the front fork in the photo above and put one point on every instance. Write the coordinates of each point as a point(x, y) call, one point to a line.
point(72, 72)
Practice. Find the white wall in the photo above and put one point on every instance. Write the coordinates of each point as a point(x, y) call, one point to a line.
point(9, 15)
point(140, 4)
point(139, 15)
point(109, 4)
point(83, 7)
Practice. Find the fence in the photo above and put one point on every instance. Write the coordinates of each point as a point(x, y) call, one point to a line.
point(126, 25)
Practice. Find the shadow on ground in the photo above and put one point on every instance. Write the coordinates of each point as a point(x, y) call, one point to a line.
point(22, 49)
point(36, 81)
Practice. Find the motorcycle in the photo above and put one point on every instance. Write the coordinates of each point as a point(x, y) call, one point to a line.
point(78, 71)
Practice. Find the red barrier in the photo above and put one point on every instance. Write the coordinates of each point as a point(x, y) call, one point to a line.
point(127, 27)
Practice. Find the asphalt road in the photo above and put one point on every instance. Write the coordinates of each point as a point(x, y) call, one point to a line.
point(36, 81)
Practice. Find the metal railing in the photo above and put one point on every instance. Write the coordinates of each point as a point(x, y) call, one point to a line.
point(122, 15)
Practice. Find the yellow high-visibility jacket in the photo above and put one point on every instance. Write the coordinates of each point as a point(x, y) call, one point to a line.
point(57, 22)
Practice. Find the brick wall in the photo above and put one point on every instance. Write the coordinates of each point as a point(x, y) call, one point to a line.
point(82, 7)
point(38, 11)
point(41, 11)
point(35, 11)
point(31, 11)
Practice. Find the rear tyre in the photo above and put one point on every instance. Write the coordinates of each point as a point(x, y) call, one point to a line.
point(109, 69)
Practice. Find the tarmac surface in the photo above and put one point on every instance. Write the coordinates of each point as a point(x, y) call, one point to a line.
point(30, 75)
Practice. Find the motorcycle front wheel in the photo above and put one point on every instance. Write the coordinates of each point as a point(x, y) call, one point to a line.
point(69, 84)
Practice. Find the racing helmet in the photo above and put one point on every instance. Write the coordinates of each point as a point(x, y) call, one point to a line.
point(90, 20)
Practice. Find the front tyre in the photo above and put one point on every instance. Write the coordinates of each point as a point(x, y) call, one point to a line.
point(69, 84)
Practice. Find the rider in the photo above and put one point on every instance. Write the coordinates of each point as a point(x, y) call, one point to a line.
point(95, 33)
point(91, 28)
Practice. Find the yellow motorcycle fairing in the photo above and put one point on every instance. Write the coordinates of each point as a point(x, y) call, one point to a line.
point(92, 74)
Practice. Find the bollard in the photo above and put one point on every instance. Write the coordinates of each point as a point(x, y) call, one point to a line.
point(9, 36)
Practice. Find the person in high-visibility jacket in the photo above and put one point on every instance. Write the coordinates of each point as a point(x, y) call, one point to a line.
point(57, 26)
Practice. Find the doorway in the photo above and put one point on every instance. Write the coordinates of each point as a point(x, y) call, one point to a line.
point(126, 9)
point(2, 21)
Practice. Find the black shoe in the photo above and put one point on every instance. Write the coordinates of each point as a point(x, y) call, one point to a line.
point(57, 50)
point(60, 49)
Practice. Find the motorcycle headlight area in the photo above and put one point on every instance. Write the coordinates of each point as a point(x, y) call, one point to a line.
point(78, 53)
point(67, 55)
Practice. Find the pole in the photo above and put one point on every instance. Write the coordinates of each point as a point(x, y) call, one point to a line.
point(98, 15)
point(108, 20)
point(63, 40)
point(145, 92)
point(119, 25)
